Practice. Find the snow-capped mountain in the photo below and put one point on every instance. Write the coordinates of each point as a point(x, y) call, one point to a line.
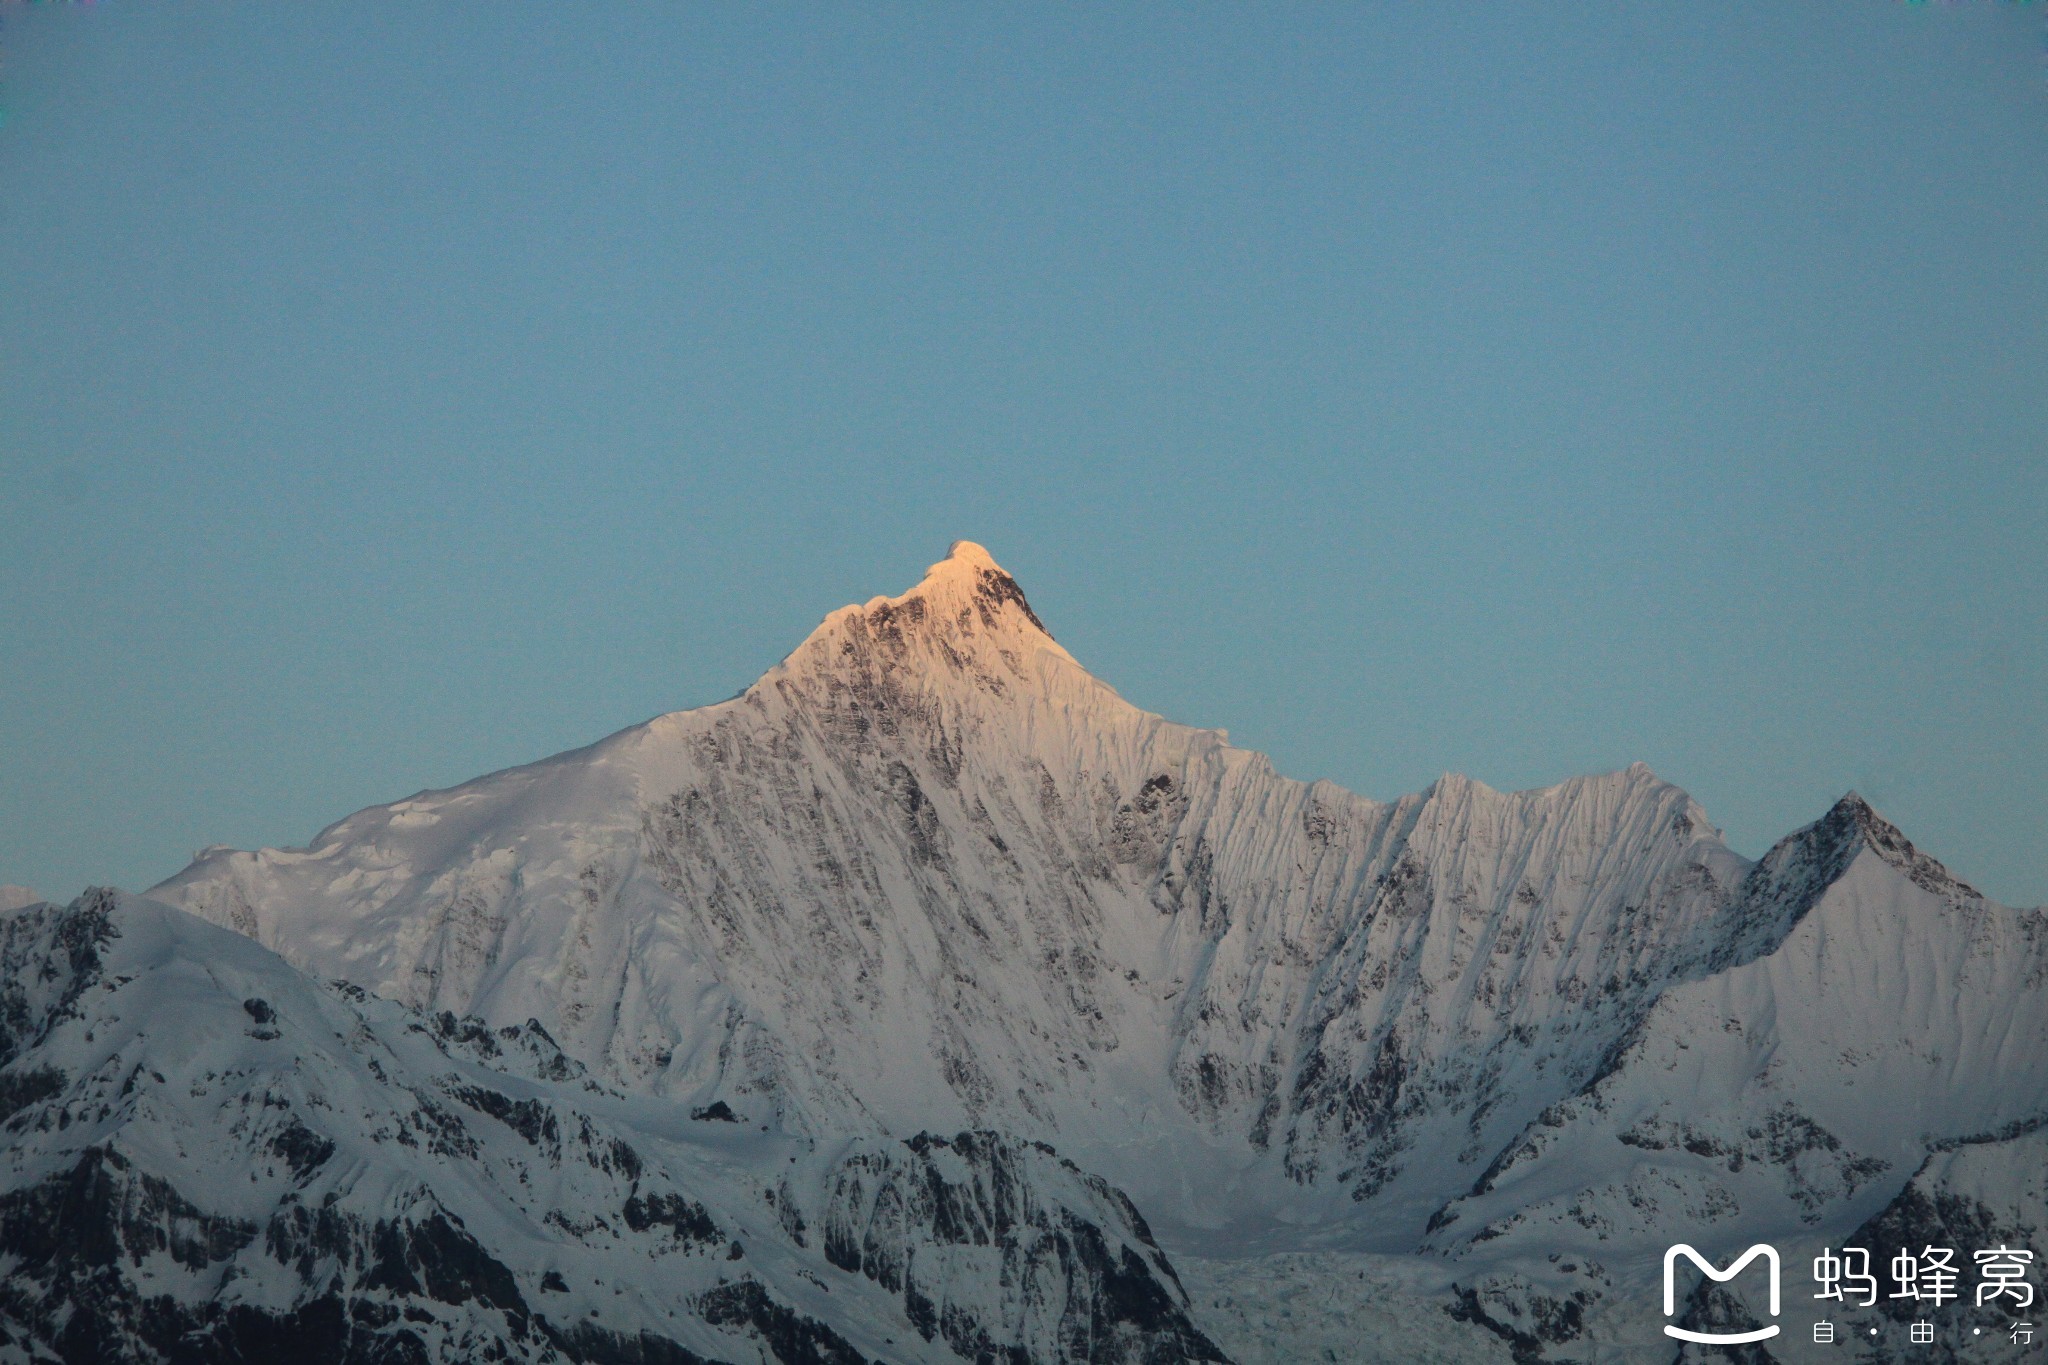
point(928, 873)
point(1476, 1050)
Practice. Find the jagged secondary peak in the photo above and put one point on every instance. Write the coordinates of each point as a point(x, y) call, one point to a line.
point(1821, 851)
point(1790, 879)
point(1853, 819)
point(1634, 797)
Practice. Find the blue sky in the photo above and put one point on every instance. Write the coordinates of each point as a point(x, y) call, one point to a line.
point(394, 392)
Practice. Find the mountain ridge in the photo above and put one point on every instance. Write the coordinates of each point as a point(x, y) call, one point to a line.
point(927, 659)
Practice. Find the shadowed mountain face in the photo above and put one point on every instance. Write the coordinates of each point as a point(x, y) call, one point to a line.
point(930, 876)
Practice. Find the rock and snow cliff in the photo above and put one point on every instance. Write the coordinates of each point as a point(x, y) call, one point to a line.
point(930, 876)
point(211, 1157)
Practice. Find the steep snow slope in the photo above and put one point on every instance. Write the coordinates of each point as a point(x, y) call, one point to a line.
point(928, 873)
point(209, 1157)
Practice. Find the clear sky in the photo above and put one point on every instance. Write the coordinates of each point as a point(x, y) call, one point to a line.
point(394, 392)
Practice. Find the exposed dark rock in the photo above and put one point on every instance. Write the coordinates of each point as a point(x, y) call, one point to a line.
point(531, 1119)
point(20, 1089)
point(687, 1220)
point(793, 1338)
point(305, 1150)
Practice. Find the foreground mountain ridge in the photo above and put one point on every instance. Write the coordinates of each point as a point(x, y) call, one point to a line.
point(211, 1157)
point(929, 876)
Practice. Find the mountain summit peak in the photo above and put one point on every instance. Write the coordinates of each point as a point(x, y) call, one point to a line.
point(965, 607)
point(967, 578)
point(968, 554)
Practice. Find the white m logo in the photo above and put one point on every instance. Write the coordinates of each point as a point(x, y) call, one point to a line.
point(1769, 1253)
